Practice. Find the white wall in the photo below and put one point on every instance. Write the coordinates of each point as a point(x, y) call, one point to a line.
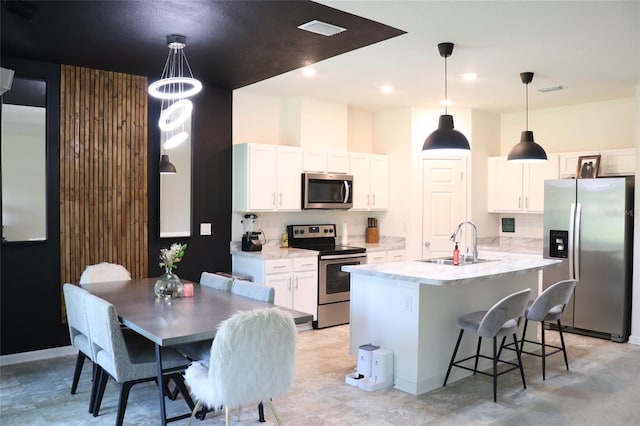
point(256, 118)
point(635, 310)
point(598, 125)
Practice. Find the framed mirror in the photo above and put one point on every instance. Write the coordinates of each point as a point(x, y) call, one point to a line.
point(175, 188)
point(24, 149)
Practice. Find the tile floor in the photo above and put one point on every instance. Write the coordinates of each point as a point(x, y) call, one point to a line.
point(603, 387)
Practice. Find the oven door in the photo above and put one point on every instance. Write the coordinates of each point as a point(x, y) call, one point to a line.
point(333, 283)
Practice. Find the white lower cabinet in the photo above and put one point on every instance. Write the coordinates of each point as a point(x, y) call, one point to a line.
point(385, 256)
point(295, 280)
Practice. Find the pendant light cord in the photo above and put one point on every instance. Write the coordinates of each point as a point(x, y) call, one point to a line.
point(527, 105)
point(446, 97)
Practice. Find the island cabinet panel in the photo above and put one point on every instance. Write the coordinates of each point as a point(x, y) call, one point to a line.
point(424, 301)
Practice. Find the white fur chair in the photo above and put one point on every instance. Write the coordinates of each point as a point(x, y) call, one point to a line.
point(252, 360)
point(104, 272)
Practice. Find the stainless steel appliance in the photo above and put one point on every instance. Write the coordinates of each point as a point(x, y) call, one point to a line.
point(252, 233)
point(334, 285)
point(589, 224)
point(327, 191)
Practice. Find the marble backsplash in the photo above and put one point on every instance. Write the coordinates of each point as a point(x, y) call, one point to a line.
point(511, 244)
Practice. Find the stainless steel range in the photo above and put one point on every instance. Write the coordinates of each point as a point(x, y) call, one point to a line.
point(333, 283)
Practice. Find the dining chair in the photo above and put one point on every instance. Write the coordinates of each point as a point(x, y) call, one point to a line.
point(128, 358)
point(252, 359)
point(216, 281)
point(502, 319)
point(548, 306)
point(78, 328)
point(253, 290)
point(104, 272)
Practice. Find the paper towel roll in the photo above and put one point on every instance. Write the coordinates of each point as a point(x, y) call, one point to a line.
point(343, 238)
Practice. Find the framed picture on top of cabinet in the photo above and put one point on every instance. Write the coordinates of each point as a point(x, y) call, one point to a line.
point(588, 166)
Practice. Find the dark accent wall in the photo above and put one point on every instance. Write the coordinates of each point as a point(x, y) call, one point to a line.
point(30, 272)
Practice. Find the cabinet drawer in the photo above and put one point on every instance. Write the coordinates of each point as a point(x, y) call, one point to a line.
point(277, 266)
point(395, 255)
point(305, 264)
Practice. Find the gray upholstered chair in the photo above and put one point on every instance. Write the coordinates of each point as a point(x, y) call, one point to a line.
point(104, 272)
point(549, 306)
point(252, 359)
point(502, 320)
point(216, 281)
point(78, 328)
point(253, 290)
point(128, 361)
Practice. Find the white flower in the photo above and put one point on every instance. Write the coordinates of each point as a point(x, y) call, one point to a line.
point(169, 257)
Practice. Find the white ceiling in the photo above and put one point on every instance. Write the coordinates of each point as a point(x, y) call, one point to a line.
point(591, 47)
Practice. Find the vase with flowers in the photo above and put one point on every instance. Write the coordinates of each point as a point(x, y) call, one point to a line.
point(169, 285)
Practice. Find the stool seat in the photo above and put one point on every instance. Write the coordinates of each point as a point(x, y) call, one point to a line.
point(549, 306)
point(502, 320)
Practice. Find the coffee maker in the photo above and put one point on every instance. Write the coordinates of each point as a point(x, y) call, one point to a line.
point(252, 233)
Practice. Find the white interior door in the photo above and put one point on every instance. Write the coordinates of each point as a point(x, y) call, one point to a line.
point(442, 204)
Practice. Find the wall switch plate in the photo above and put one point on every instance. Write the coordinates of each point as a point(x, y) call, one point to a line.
point(205, 229)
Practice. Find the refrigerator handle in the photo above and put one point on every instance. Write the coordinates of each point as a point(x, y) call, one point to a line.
point(572, 222)
point(576, 243)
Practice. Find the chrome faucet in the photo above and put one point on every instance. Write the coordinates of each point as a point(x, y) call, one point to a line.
point(475, 238)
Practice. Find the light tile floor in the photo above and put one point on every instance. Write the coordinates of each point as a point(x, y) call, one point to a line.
point(602, 388)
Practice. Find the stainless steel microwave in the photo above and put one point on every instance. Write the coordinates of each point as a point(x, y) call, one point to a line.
point(327, 191)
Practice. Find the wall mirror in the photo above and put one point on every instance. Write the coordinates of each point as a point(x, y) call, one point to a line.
point(175, 188)
point(24, 149)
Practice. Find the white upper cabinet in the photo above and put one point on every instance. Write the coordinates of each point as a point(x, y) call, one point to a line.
point(321, 161)
point(370, 181)
point(517, 187)
point(613, 162)
point(266, 177)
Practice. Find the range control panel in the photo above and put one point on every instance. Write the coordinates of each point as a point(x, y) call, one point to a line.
point(311, 231)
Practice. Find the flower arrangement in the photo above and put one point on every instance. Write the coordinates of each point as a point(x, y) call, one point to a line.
point(169, 257)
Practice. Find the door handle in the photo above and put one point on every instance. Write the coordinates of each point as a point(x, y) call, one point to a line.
point(427, 244)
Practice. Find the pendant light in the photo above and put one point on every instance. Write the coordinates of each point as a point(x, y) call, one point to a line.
point(166, 167)
point(527, 151)
point(445, 137)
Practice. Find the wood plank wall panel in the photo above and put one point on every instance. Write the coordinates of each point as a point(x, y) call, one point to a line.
point(103, 171)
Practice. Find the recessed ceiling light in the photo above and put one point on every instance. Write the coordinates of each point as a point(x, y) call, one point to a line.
point(470, 76)
point(309, 71)
point(387, 89)
point(321, 28)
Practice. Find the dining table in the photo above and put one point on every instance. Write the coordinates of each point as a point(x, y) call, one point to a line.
point(176, 321)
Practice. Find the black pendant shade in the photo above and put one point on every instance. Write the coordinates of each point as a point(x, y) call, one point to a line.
point(527, 150)
point(445, 136)
point(165, 165)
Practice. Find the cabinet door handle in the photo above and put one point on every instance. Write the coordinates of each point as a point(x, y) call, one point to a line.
point(289, 286)
point(526, 202)
point(374, 199)
point(273, 198)
point(296, 286)
point(280, 199)
point(519, 202)
point(279, 266)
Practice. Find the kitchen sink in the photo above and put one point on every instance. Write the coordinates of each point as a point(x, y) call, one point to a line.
point(449, 261)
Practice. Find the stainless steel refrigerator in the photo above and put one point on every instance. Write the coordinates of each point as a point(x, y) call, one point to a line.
point(588, 223)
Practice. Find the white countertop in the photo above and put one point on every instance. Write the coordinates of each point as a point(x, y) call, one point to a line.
point(434, 274)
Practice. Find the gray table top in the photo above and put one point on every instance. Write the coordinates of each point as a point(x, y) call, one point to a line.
point(176, 321)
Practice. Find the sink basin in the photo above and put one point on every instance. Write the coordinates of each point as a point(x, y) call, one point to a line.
point(449, 261)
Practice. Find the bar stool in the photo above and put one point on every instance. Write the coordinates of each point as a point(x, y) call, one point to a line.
point(502, 319)
point(549, 306)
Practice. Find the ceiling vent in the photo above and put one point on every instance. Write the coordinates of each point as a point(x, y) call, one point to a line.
point(321, 28)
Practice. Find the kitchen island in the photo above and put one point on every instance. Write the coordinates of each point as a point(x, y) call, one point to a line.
point(411, 308)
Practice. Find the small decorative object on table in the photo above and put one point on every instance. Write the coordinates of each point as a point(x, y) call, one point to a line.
point(168, 285)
